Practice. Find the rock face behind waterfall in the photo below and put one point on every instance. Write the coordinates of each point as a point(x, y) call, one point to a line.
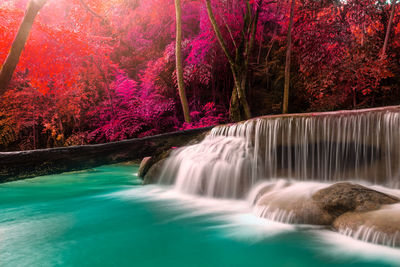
point(152, 167)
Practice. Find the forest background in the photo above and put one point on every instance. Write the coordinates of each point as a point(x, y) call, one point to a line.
point(106, 70)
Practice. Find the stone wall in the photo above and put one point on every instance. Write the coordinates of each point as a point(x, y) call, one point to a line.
point(27, 164)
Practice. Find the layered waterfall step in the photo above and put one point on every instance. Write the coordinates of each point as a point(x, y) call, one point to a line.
point(299, 155)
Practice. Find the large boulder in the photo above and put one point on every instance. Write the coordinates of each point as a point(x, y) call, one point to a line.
point(316, 203)
point(289, 202)
point(380, 226)
point(343, 197)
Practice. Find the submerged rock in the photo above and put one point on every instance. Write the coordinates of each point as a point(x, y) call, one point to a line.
point(380, 226)
point(340, 198)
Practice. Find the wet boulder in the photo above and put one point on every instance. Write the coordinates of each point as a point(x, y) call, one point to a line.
point(316, 203)
point(289, 202)
point(144, 166)
point(153, 175)
point(379, 226)
point(344, 197)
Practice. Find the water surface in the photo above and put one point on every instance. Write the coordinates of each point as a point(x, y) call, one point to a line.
point(104, 217)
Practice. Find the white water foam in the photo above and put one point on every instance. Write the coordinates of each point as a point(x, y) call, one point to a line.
point(232, 217)
point(338, 245)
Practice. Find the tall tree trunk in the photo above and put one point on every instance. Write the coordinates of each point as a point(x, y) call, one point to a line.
point(288, 55)
point(385, 44)
point(179, 68)
point(18, 44)
point(238, 103)
point(234, 109)
point(34, 126)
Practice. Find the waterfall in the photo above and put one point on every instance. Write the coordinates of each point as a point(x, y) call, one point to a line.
point(279, 163)
point(324, 147)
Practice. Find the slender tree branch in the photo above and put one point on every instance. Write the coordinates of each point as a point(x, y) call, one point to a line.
point(230, 33)
point(385, 44)
point(254, 25)
point(252, 28)
point(218, 32)
point(238, 99)
point(92, 12)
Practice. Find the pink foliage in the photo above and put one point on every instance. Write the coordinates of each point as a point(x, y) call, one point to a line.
point(209, 115)
point(129, 112)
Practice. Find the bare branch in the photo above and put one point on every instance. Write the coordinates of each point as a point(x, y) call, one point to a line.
point(218, 33)
point(92, 12)
point(230, 32)
point(385, 44)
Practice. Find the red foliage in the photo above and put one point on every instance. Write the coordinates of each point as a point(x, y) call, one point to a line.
point(106, 71)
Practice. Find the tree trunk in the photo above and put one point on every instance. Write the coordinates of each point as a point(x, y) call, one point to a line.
point(385, 44)
point(287, 67)
point(234, 109)
point(239, 107)
point(18, 44)
point(34, 127)
point(179, 68)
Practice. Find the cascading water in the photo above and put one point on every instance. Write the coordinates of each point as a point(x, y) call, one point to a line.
point(369, 234)
point(218, 166)
point(337, 147)
point(233, 160)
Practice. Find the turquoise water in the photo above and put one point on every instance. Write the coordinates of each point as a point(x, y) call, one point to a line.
point(104, 217)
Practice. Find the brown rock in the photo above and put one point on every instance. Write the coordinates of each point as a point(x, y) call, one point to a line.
point(291, 203)
point(301, 211)
point(154, 166)
point(379, 226)
point(144, 166)
point(153, 174)
point(309, 203)
point(340, 198)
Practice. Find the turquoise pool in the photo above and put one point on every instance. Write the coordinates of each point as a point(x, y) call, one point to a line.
point(105, 217)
